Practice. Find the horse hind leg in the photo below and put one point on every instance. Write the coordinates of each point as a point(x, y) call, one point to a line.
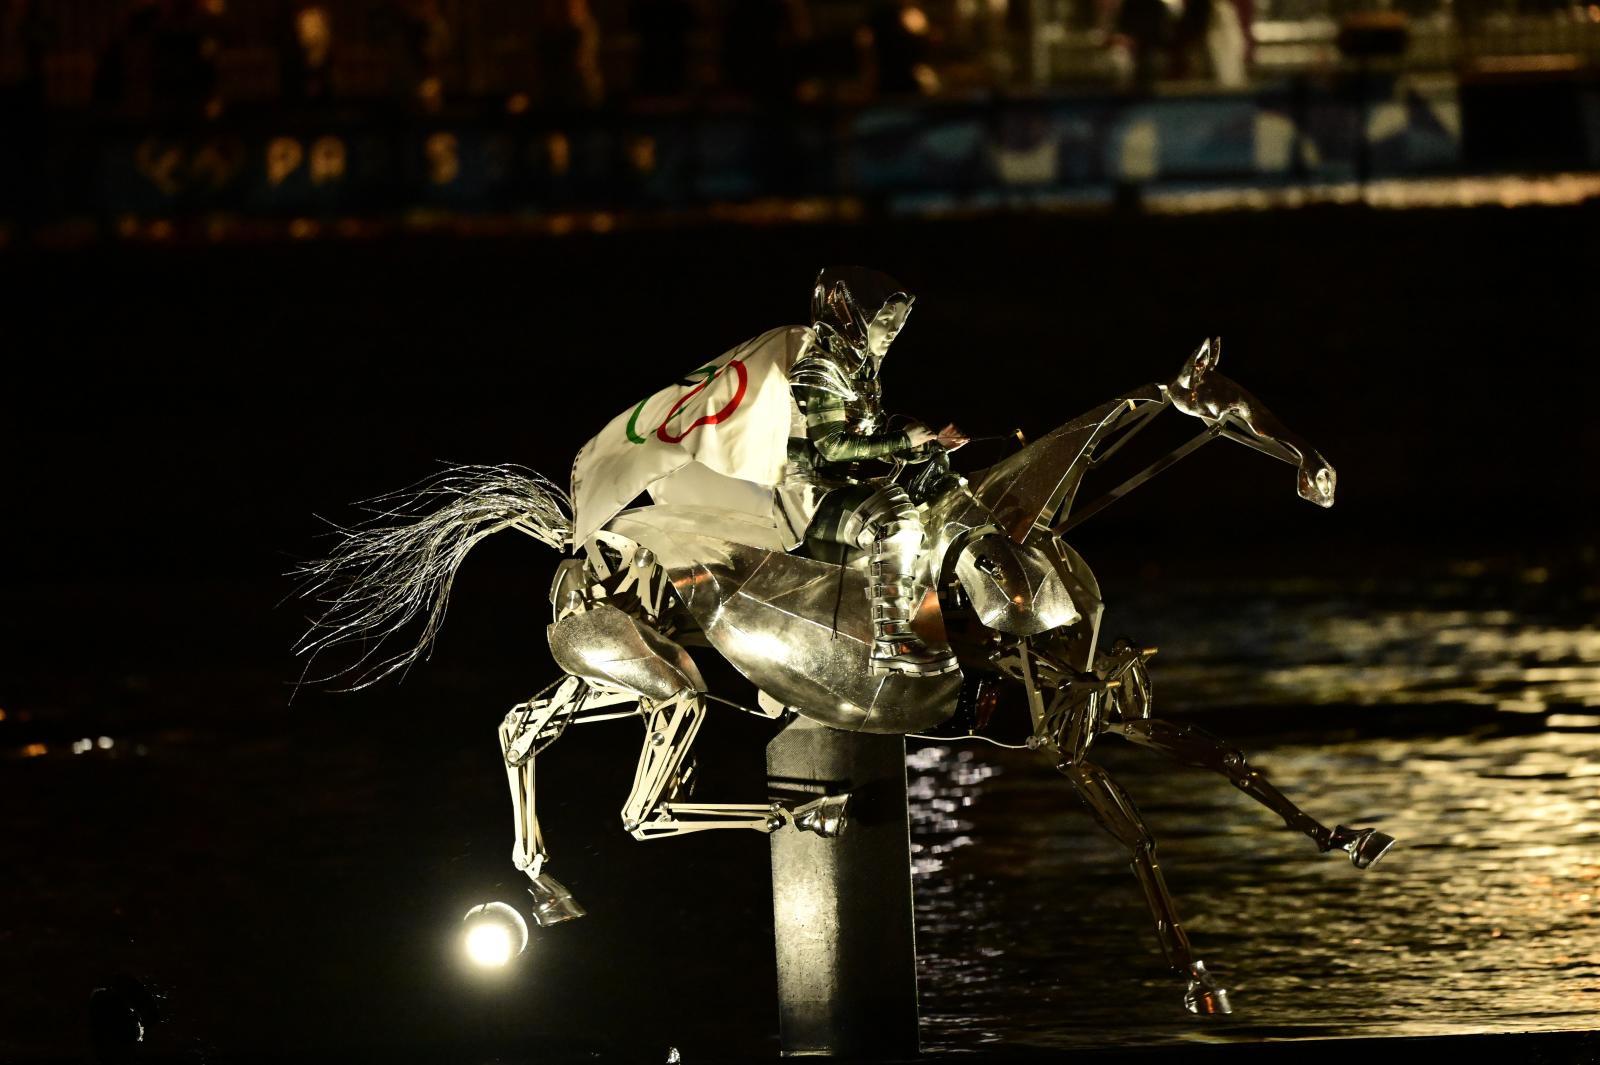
point(653, 809)
point(1114, 810)
point(1197, 748)
point(519, 731)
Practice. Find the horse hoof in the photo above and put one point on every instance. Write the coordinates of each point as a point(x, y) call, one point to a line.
point(552, 902)
point(1364, 845)
point(824, 816)
point(1204, 997)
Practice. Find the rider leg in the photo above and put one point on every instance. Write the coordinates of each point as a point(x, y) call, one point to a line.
point(1194, 747)
point(652, 809)
point(882, 521)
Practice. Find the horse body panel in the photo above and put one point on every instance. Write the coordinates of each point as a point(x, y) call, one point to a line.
point(605, 644)
point(799, 630)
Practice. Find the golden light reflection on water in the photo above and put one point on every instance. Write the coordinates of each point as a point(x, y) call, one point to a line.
point(1484, 917)
point(1295, 646)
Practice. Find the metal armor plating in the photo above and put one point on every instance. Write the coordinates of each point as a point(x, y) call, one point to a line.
point(816, 634)
point(856, 316)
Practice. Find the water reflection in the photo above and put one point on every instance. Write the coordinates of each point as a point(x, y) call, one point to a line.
point(1302, 642)
point(1031, 928)
point(940, 783)
point(1483, 918)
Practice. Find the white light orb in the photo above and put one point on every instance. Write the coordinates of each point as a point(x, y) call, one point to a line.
point(489, 945)
point(492, 934)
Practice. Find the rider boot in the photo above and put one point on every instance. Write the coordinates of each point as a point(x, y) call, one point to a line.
point(896, 531)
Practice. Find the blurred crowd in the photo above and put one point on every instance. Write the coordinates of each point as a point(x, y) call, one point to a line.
point(204, 56)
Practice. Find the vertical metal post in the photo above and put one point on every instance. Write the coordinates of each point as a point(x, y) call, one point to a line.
point(842, 909)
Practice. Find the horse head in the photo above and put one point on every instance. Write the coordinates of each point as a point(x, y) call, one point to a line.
point(1201, 392)
point(1036, 488)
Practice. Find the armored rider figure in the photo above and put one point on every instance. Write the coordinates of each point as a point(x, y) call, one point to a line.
point(831, 494)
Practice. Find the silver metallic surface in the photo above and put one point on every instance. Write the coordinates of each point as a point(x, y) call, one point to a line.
point(825, 817)
point(1201, 392)
point(384, 575)
point(569, 589)
point(1078, 641)
point(887, 526)
point(1364, 845)
point(604, 644)
point(771, 616)
point(1204, 995)
point(1013, 589)
point(1076, 692)
point(529, 728)
point(985, 563)
point(851, 311)
point(1028, 488)
point(1072, 709)
point(552, 902)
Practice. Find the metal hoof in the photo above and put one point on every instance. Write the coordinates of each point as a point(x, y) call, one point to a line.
point(1204, 997)
point(824, 816)
point(552, 902)
point(1364, 845)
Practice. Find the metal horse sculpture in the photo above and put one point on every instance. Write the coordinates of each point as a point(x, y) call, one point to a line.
point(998, 582)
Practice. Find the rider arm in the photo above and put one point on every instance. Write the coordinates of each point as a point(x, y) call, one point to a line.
point(830, 432)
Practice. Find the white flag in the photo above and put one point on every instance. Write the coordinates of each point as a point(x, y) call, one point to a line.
point(718, 437)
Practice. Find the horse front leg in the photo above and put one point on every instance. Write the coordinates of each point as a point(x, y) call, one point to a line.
point(1116, 813)
point(1067, 719)
point(1199, 749)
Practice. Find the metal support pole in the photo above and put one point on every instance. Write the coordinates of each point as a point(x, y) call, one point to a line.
point(842, 910)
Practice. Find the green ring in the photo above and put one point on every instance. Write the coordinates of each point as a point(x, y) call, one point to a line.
point(633, 419)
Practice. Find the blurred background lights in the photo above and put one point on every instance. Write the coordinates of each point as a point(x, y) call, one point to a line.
point(492, 934)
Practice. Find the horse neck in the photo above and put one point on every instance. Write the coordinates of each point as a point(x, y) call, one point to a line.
point(1026, 488)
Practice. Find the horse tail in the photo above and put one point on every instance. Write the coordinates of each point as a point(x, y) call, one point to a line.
point(398, 566)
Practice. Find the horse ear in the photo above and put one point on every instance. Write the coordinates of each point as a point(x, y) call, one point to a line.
point(1202, 360)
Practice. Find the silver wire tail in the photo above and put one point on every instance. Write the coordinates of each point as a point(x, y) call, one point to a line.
point(399, 566)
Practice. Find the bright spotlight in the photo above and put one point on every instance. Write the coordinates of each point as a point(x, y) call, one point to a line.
point(489, 945)
point(493, 933)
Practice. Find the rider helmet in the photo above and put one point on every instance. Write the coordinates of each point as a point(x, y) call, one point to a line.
point(844, 302)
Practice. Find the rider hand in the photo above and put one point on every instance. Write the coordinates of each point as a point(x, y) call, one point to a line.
point(951, 438)
point(920, 434)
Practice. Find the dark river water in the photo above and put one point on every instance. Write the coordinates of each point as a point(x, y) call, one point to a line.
point(286, 878)
point(1484, 917)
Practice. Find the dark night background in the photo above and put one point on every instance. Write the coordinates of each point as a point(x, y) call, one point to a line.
point(287, 873)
